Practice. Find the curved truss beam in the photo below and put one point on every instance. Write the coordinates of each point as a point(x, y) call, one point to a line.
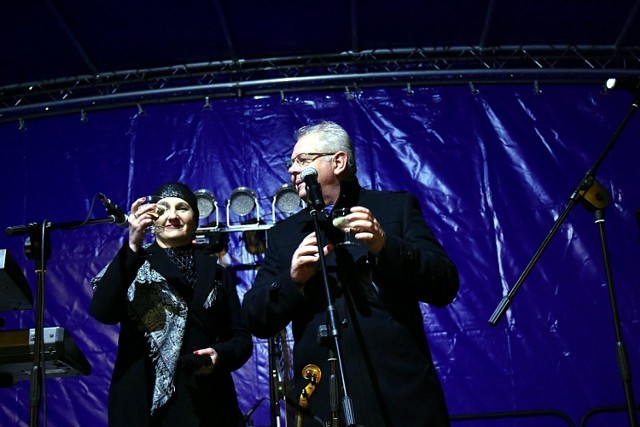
point(350, 71)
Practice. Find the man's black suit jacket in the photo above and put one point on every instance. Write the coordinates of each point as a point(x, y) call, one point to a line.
point(389, 371)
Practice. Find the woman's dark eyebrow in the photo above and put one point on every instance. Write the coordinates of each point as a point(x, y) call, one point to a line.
point(165, 203)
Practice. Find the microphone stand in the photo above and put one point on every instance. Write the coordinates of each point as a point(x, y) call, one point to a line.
point(38, 247)
point(247, 417)
point(595, 198)
point(275, 385)
point(333, 334)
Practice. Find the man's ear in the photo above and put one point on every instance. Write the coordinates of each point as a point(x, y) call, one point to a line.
point(340, 162)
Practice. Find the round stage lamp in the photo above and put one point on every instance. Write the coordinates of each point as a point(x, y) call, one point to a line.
point(242, 200)
point(287, 199)
point(207, 203)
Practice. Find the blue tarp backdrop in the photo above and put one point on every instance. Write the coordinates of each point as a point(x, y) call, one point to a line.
point(493, 170)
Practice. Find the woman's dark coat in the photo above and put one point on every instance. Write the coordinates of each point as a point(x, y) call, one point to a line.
point(198, 400)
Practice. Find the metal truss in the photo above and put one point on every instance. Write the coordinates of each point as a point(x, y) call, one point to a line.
point(349, 71)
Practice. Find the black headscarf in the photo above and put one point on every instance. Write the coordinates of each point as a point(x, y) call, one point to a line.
point(180, 190)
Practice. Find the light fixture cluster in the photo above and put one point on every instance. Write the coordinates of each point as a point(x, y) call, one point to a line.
point(243, 203)
point(242, 214)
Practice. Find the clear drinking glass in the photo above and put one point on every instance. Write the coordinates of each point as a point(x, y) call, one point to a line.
point(340, 221)
point(155, 214)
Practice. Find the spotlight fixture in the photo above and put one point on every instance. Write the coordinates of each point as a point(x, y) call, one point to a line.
point(207, 203)
point(631, 84)
point(286, 200)
point(242, 201)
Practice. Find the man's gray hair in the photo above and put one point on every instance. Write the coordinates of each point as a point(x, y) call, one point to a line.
point(333, 138)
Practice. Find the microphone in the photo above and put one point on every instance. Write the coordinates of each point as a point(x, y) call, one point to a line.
point(118, 215)
point(314, 192)
point(631, 84)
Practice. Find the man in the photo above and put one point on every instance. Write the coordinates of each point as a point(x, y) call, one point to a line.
point(375, 288)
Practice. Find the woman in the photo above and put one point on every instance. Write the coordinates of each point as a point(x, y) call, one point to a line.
point(181, 332)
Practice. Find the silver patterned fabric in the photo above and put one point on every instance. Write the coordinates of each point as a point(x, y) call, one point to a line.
point(161, 314)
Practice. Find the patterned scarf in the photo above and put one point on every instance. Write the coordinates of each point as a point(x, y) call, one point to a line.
point(161, 313)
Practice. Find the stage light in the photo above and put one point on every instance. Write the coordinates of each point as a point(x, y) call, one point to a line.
point(631, 84)
point(286, 200)
point(243, 207)
point(207, 203)
point(242, 201)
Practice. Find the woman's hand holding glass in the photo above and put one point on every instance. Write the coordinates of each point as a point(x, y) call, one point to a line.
point(144, 214)
point(150, 209)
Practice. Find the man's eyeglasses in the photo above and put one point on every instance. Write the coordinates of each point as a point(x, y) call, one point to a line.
point(304, 159)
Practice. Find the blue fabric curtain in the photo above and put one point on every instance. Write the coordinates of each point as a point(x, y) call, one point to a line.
point(493, 169)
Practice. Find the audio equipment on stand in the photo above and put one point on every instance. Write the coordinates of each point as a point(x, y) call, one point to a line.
point(62, 357)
